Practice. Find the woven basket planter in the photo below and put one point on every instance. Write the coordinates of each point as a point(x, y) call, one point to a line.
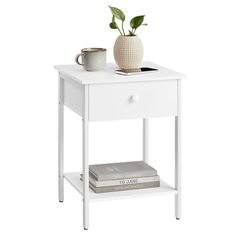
point(128, 52)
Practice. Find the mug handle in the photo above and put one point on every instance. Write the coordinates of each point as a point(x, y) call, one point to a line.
point(77, 58)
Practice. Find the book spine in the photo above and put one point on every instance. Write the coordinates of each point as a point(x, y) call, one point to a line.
point(127, 181)
point(125, 187)
point(127, 175)
point(118, 182)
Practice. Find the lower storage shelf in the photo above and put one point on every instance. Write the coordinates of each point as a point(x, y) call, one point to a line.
point(74, 179)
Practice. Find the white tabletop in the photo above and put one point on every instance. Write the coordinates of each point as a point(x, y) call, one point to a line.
point(108, 75)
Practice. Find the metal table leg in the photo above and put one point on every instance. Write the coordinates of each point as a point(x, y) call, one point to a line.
point(60, 140)
point(178, 157)
point(145, 139)
point(85, 164)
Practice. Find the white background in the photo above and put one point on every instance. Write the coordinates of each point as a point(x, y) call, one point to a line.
point(196, 38)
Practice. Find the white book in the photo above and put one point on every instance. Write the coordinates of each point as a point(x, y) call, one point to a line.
point(118, 182)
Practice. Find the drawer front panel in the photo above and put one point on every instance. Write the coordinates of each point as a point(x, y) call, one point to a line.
point(132, 100)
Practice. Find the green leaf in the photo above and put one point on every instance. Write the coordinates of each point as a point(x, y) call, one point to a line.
point(136, 21)
point(117, 13)
point(113, 25)
point(131, 33)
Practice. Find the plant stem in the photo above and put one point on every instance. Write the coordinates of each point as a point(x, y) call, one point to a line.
point(123, 27)
point(119, 30)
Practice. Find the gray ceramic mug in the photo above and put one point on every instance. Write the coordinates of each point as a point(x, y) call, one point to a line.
point(92, 58)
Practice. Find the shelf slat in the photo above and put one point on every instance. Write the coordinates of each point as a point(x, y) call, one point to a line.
point(74, 179)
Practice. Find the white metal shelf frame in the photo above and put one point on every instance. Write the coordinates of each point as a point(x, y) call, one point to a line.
point(73, 91)
point(74, 179)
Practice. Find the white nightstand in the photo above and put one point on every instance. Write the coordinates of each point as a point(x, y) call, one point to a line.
point(103, 95)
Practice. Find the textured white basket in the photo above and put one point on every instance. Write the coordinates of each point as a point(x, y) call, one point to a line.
point(128, 52)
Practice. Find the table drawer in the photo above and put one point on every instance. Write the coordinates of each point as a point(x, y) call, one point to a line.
point(132, 100)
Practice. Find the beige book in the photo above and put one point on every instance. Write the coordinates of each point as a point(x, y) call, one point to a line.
point(124, 187)
point(117, 182)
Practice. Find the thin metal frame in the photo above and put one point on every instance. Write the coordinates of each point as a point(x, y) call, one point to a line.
point(178, 153)
point(145, 140)
point(85, 161)
point(60, 139)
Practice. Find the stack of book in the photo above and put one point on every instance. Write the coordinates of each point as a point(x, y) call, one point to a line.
point(122, 176)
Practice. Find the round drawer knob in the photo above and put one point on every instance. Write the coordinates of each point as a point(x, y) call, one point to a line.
point(134, 98)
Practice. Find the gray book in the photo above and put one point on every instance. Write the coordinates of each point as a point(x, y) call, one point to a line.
point(118, 182)
point(121, 170)
point(124, 187)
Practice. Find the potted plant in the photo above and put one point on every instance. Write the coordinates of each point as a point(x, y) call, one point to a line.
point(128, 48)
